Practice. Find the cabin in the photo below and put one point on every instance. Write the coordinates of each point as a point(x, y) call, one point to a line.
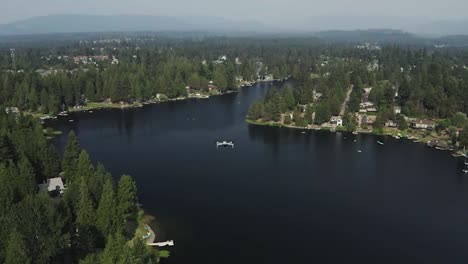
point(53, 185)
point(423, 124)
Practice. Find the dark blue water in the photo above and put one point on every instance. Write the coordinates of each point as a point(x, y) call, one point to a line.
point(280, 196)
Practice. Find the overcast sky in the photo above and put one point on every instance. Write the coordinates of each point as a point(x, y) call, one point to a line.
point(266, 11)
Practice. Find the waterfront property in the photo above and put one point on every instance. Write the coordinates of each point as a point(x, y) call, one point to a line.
point(53, 185)
point(423, 124)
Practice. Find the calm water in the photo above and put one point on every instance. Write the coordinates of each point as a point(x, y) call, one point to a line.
point(280, 196)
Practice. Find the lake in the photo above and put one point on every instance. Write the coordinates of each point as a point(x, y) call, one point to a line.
point(280, 196)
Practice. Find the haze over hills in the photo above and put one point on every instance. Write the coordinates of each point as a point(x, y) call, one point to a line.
point(72, 23)
point(108, 23)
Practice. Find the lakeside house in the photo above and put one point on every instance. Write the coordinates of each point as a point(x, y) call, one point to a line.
point(391, 123)
point(336, 121)
point(423, 124)
point(53, 185)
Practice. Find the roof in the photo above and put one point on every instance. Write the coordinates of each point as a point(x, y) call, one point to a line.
point(52, 184)
point(425, 122)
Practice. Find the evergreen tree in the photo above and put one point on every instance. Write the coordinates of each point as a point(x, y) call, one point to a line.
point(70, 156)
point(26, 178)
point(6, 190)
point(16, 251)
point(106, 212)
point(127, 198)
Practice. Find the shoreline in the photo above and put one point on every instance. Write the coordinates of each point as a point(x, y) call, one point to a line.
point(413, 137)
point(91, 106)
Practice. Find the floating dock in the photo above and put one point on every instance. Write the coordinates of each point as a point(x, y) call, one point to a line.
point(225, 144)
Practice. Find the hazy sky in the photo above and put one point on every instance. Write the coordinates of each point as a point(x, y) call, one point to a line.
point(266, 11)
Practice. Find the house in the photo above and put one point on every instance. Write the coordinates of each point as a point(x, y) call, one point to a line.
point(371, 109)
point(53, 185)
point(367, 90)
point(423, 124)
point(391, 123)
point(336, 120)
point(397, 110)
point(316, 95)
point(366, 104)
point(13, 110)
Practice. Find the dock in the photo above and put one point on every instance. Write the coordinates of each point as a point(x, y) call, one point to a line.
point(225, 144)
point(169, 243)
point(151, 236)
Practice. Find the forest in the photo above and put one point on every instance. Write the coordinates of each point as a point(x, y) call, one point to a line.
point(423, 83)
point(89, 223)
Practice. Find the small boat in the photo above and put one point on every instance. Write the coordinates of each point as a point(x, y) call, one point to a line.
point(63, 113)
point(355, 140)
point(359, 151)
point(397, 137)
point(303, 132)
point(90, 112)
point(71, 120)
point(465, 170)
point(355, 132)
point(380, 142)
point(225, 144)
point(466, 163)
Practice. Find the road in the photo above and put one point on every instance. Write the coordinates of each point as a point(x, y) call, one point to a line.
point(345, 103)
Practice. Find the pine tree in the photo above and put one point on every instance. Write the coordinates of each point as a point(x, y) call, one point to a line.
point(16, 251)
point(6, 190)
point(106, 212)
point(85, 168)
point(27, 180)
point(85, 219)
point(127, 197)
point(70, 157)
point(85, 214)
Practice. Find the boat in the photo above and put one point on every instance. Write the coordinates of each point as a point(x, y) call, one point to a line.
point(359, 151)
point(466, 163)
point(63, 113)
point(355, 132)
point(465, 170)
point(71, 120)
point(303, 132)
point(355, 140)
point(90, 112)
point(397, 137)
point(225, 144)
point(380, 142)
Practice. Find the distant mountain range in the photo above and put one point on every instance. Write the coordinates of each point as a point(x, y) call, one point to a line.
point(69, 23)
point(118, 23)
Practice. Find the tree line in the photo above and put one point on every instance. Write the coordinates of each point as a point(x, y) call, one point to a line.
point(88, 223)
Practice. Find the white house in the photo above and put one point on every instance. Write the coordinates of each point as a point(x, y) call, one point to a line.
point(397, 110)
point(423, 124)
point(53, 184)
point(336, 120)
point(391, 123)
